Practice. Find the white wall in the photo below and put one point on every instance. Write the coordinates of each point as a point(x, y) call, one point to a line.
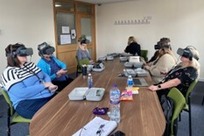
point(31, 22)
point(26, 21)
point(180, 20)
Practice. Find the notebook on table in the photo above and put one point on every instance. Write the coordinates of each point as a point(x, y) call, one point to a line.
point(97, 127)
point(140, 82)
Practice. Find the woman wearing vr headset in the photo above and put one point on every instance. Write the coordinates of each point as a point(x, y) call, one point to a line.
point(161, 42)
point(164, 62)
point(56, 69)
point(182, 75)
point(28, 87)
point(133, 47)
point(83, 54)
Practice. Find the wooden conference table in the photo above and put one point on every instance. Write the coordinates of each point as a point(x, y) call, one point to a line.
point(61, 117)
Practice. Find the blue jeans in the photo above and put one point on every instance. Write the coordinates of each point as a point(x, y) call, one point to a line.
point(27, 108)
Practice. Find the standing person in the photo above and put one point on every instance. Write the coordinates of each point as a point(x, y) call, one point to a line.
point(182, 75)
point(56, 69)
point(164, 62)
point(28, 87)
point(133, 47)
point(83, 54)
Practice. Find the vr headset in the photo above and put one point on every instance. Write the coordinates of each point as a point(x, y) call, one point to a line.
point(45, 48)
point(21, 51)
point(186, 53)
point(160, 46)
point(83, 40)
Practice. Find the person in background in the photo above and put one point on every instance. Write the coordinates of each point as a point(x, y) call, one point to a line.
point(162, 41)
point(133, 47)
point(83, 55)
point(56, 69)
point(182, 75)
point(164, 62)
point(28, 87)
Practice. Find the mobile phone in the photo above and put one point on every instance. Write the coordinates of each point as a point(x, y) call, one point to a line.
point(118, 133)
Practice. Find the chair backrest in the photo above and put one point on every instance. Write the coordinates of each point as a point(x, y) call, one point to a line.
point(8, 101)
point(179, 103)
point(190, 89)
point(144, 54)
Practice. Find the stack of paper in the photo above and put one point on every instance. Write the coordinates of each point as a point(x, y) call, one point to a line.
point(97, 127)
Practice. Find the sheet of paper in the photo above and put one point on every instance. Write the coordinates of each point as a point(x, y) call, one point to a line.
point(73, 33)
point(65, 29)
point(97, 127)
point(65, 39)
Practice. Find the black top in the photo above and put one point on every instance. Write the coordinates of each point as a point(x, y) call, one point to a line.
point(133, 48)
point(154, 57)
point(186, 75)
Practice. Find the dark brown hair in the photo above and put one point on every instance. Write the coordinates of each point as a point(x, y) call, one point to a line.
point(12, 59)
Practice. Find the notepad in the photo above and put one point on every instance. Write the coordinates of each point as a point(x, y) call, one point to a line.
point(97, 127)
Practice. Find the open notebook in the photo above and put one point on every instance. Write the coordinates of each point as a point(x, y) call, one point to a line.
point(97, 127)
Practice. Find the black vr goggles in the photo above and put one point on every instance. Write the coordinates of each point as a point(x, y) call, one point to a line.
point(45, 48)
point(186, 53)
point(21, 51)
point(24, 51)
point(160, 46)
point(83, 40)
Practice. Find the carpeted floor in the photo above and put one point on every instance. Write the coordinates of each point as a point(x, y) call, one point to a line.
point(22, 129)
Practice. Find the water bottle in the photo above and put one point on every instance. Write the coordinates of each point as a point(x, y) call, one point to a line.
point(130, 81)
point(115, 104)
point(90, 80)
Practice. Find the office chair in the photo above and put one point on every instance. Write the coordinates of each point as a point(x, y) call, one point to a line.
point(179, 103)
point(12, 117)
point(187, 107)
point(144, 54)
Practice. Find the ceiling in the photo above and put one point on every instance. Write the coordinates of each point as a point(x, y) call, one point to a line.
point(104, 1)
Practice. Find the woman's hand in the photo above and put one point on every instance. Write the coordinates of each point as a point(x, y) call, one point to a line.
point(61, 72)
point(50, 86)
point(153, 88)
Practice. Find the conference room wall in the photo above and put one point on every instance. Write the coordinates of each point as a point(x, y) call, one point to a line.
point(180, 20)
point(27, 21)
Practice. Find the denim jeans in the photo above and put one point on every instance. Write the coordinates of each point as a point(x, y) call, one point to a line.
point(27, 108)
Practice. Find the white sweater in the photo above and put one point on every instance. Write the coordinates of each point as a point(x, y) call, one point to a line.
point(163, 65)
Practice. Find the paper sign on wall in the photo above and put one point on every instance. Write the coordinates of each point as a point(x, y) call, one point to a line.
point(73, 33)
point(65, 39)
point(65, 29)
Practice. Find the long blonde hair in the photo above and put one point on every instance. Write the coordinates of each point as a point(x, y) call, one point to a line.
point(194, 61)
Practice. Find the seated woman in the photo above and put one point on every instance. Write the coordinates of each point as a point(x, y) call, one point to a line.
point(162, 41)
point(133, 47)
point(56, 69)
point(165, 61)
point(28, 87)
point(182, 75)
point(83, 55)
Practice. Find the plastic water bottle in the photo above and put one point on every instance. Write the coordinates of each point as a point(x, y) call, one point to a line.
point(90, 80)
point(130, 81)
point(115, 104)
